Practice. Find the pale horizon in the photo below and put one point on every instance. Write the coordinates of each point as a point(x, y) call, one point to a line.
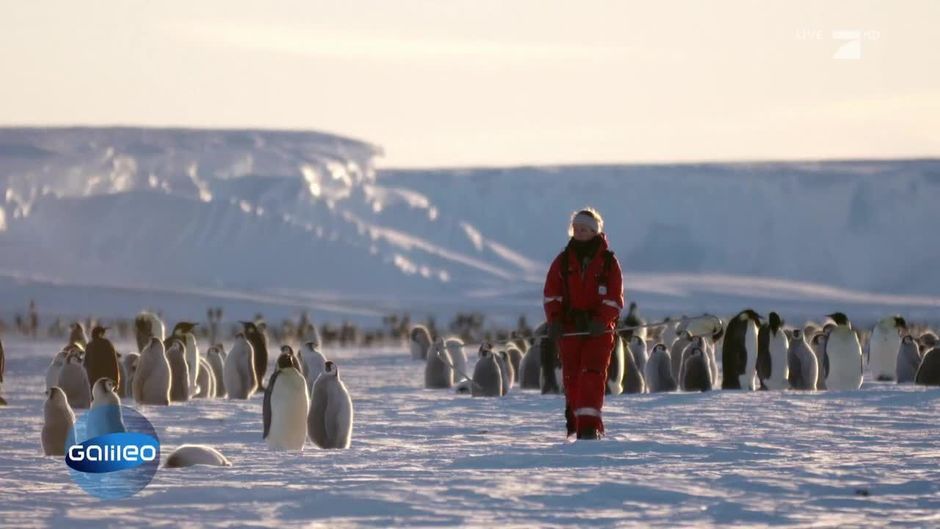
point(492, 84)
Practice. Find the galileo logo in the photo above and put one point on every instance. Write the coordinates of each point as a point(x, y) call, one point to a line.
point(113, 452)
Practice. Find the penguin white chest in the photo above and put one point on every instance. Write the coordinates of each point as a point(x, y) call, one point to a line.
point(748, 380)
point(289, 407)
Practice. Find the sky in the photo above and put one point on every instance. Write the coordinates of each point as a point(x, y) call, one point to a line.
point(507, 82)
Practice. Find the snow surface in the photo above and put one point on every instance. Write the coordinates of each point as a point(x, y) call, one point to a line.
point(122, 218)
point(432, 458)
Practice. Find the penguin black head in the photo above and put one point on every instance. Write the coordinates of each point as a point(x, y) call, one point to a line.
point(839, 318)
point(486, 348)
point(900, 322)
point(98, 331)
point(154, 339)
point(286, 349)
point(183, 327)
point(249, 327)
point(105, 383)
point(696, 351)
point(774, 321)
point(330, 368)
point(659, 347)
point(636, 339)
point(633, 306)
point(908, 339)
point(796, 334)
point(820, 338)
point(287, 359)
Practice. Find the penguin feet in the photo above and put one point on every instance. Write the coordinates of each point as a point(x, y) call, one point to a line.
point(589, 433)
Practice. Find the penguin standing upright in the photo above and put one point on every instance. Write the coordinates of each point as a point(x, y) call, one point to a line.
point(205, 384)
point(259, 345)
point(73, 379)
point(454, 348)
point(153, 377)
point(633, 319)
point(179, 369)
point(420, 342)
point(883, 347)
point(637, 347)
point(772, 348)
point(802, 367)
point(514, 352)
point(55, 367)
point(530, 369)
point(148, 325)
point(658, 372)
point(438, 373)
point(215, 357)
point(286, 404)
point(487, 377)
point(330, 422)
point(818, 344)
point(101, 359)
point(77, 335)
point(616, 368)
point(928, 374)
point(739, 352)
point(239, 371)
point(58, 420)
point(845, 355)
point(695, 375)
point(683, 339)
point(632, 381)
point(184, 332)
point(312, 361)
point(105, 415)
point(909, 360)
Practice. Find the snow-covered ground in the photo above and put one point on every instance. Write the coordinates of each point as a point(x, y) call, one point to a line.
point(432, 458)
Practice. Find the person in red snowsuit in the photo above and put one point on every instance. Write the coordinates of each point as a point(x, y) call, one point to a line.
point(584, 293)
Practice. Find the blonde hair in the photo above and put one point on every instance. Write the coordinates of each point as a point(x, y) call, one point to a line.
point(587, 210)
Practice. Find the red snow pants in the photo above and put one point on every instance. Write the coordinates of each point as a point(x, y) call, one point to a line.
point(584, 362)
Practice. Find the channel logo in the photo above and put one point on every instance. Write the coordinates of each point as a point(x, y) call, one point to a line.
point(110, 463)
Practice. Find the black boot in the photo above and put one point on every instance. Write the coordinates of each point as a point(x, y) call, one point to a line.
point(589, 433)
point(569, 421)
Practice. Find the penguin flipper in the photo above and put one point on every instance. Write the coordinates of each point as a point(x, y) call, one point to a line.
point(316, 425)
point(266, 408)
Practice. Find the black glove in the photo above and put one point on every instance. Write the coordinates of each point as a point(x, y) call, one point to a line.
point(554, 331)
point(596, 328)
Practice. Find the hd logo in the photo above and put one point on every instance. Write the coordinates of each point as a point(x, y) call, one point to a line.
point(112, 464)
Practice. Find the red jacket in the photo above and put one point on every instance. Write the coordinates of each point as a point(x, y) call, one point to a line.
point(590, 290)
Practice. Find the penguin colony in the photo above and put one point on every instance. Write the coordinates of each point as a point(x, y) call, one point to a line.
point(304, 399)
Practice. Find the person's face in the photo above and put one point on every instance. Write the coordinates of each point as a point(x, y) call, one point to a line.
point(582, 232)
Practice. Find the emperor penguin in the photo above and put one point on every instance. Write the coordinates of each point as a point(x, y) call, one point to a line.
point(505, 370)
point(683, 339)
point(632, 381)
point(883, 347)
point(696, 375)
point(739, 352)
point(191, 455)
point(179, 369)
point(152, 380)
point(550, 378)
point(73, 380)
point(927, 340)
point(215, 357)
point(128, 364)
point(772, 349)
point(184, 332)
point(616, 368)
point(101, 359)
point(148, 325)
point(259, 346)
point(239, 370)
point(420, 342)
point(487, 377)
point(928, 374)
point(458, 356)
point(286, 404)
point(637, 347)
point(845, 355)
point(515, 359)
point(58, 421)
point(633, 319)
point(205, 384)
point(658, 373)
point(669, 333)
point(802, 367)
point(55, 367)
point(530, 369)
point(330, 422)
point(312, 361)
point(438, 373)
point(818, 344)
point(105, 415)
point(909, 360)
point(77, 335)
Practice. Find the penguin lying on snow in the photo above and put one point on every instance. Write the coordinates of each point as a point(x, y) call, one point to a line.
point(190, 455)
